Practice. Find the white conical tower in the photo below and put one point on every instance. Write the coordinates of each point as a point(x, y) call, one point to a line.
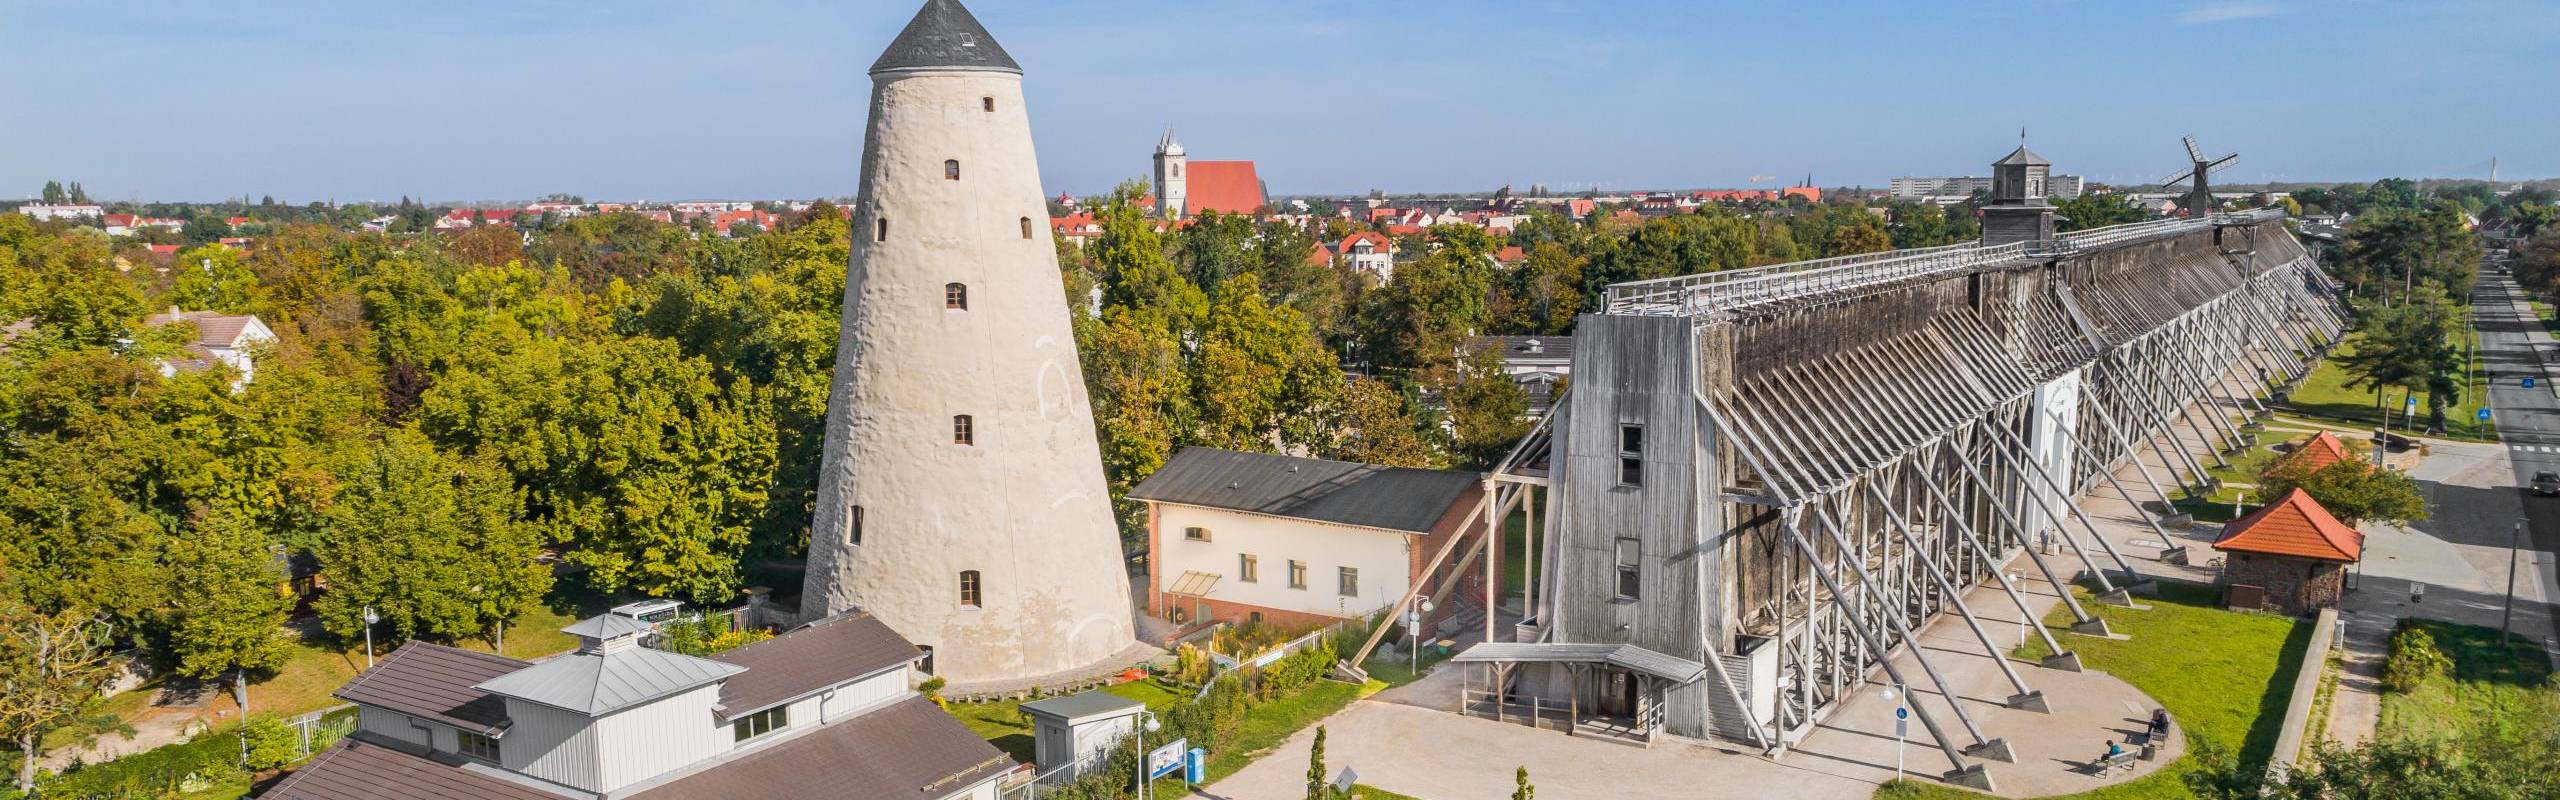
point(961, 497)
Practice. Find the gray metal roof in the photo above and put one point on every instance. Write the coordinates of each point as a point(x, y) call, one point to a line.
point(908, 750)
point(2022, 157)
point(821, 654)
point(435, 682)
point(606, 626)
point(358, 768)
point(1074, 707)
point(944, 36)
point(594, 683)
point(1627, 656)
point(1394, 498)
point(1523, 347)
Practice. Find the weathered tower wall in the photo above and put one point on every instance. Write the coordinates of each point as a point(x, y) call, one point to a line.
point(1021, 505)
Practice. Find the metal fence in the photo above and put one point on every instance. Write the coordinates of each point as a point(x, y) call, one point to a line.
point(1689, 295)
point(320, 728)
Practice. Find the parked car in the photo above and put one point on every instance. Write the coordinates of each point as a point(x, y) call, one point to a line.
point(2546, 484)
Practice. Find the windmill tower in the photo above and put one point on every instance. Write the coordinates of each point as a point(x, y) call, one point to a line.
point(2199, 200)
point(961, 496)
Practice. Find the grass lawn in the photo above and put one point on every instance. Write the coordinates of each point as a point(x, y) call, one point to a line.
point(2491, 685)
point(2243, 470)
point(1001, 724)
point(1362, 791)
point(1269, 724)
point(2223, 674)
point(2324, 394)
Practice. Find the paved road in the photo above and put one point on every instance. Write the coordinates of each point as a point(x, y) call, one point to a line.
point(2512, 346)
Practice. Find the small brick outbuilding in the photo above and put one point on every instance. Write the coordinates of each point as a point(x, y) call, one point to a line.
point(2290, 556)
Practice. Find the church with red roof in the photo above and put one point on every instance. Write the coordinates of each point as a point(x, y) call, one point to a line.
point(1187, 188)
point(2289, 556)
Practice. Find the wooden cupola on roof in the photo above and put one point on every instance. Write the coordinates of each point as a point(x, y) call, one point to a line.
point(2296, 526)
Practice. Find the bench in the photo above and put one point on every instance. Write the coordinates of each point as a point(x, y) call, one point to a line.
point(2123, 759)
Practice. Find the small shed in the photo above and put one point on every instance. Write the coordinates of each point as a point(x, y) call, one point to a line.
point(1078, 728)
point(2290, 556)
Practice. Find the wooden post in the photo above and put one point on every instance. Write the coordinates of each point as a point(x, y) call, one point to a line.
point(1496, 514)
point(1529, 555)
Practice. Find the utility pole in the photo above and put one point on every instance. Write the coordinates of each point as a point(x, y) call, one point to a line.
point(2507, 618)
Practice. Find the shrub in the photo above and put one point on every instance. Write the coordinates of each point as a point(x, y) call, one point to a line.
point(2414, 659)
point(209, 758)
point(272, 744)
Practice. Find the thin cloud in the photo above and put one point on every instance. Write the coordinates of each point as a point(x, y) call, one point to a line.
point(2225, 12)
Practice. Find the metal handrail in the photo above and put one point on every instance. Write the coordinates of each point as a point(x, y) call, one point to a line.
point(1690, 295)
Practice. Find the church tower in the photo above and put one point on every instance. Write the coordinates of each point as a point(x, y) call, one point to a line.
point(1171, 186)
point(961, 497)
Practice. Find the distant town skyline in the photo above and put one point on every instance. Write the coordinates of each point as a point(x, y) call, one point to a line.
point(664, 101)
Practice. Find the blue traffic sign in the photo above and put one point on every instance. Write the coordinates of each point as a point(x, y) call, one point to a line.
point(2528, 381)
point(2484, 415)
point(1901, 713)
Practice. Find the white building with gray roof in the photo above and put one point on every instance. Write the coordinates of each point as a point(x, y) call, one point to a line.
point(825, 711)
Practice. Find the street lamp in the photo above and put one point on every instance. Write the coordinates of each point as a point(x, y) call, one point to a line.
point(369, 619)
point(1146, 724)
point(1413, 628)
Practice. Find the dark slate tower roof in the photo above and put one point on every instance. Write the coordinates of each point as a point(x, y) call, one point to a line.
point(2023, 157)
point(944, 36)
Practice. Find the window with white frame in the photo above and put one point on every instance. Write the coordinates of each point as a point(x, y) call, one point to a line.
point(1195, 533)
point(1248, 568)
point(761, 723)
point(477, 746)
point(1350, 581)
point(1297, 574)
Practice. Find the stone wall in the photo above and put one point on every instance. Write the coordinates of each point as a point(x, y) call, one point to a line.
point(2294, 585)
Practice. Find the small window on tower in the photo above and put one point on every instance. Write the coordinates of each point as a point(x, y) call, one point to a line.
point(968, 40)
point(1177, 170)
point(884, 229)
point(988, 103)
point(1026, 227)
point(955, 296)
point(951, 169)
point(853, 527)
point(963, 430)
point(969, 588)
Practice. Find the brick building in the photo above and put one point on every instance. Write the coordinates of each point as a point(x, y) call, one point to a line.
point(2290, 556)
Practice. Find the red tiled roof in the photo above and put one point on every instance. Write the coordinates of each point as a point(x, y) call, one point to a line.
point(1404, 230)
point(1507, 255)
point(2321, 450)
point(1320, 256)
point(1226, 187)
point(126, 220)
point(2294, 525)
point(1374, 238)
point(1376, 214)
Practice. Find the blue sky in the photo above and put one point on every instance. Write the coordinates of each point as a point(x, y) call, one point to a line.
point(472, 100)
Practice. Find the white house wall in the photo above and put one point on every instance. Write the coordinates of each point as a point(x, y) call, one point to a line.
point(856, 697)
point(1383, 557)
point(550, 744)
point(645, 741)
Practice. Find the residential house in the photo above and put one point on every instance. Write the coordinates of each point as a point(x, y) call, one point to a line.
point(1075, 229)
point(824, 711)
point(1254, 537)
point(1369, 252)
point(230, 340)
point(1539, 364)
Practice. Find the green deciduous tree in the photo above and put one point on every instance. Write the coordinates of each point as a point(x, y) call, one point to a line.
point(1487, 410)
point(53, 667)
point(1260, 373)
point(229, 620)
point(1374, 427)
point(433, 543)
point(2097, 211)
point(2410, 346)
point(2354, 491)
point(642, 467)
point(1141, 395)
